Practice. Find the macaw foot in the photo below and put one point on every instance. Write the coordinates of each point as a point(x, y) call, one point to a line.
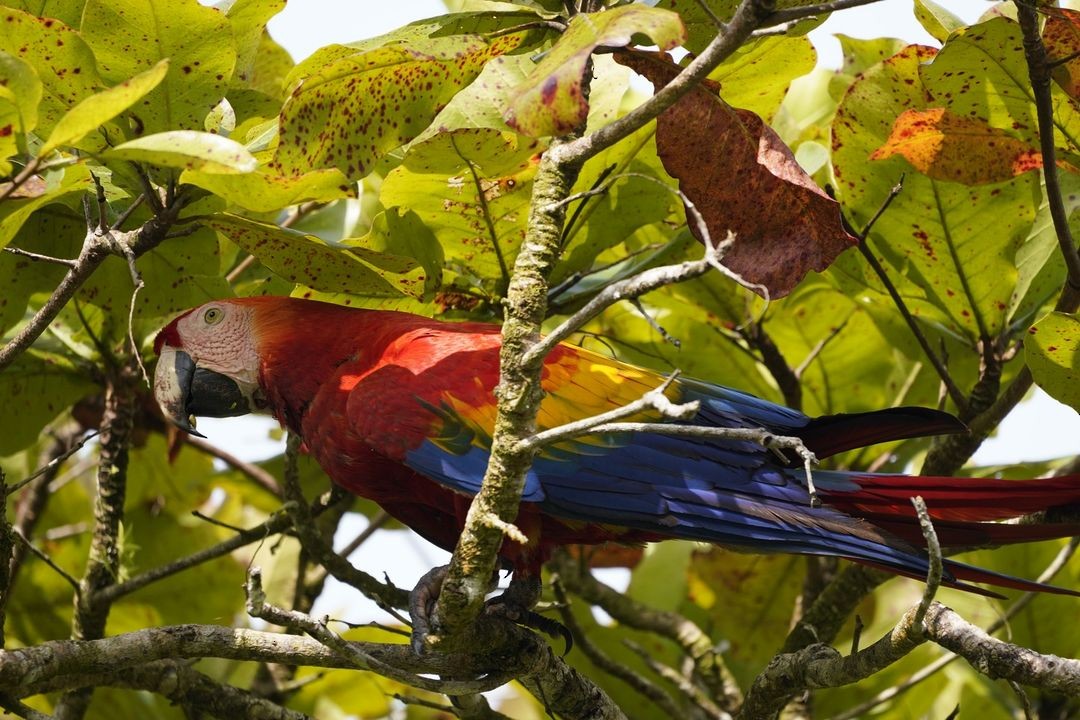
point(422, 602)
point(514, 604)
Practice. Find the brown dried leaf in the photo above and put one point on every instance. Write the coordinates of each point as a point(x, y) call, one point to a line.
point(1061, 36)
point(742, 177)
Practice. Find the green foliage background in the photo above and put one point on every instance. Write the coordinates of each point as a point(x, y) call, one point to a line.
point(385, 174)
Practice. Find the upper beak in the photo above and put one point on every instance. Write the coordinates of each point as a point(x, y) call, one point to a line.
point(184, 390)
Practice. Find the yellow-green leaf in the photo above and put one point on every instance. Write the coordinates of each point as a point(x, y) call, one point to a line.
point(301, 258)
point(188, 150)
point(352, 106)
point(20, 84)
point(15, 211)
point(130, 36)
point(37, 387)
point(265, 191)
point(936, 20)
point(1052, 350)
point(61, 58)
point(102, 107)
point(552, 101)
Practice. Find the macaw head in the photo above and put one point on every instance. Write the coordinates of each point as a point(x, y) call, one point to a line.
point(209, 363)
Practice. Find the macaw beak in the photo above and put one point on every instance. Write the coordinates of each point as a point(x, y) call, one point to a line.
point(184, 390)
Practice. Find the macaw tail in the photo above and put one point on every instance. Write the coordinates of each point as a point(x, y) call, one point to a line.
point(961, 510)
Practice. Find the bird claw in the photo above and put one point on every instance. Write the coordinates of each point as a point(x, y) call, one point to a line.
point(421, 602)
point(515, 604)
point(531, 619)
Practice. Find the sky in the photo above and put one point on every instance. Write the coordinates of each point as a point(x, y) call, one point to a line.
point(1040, 428)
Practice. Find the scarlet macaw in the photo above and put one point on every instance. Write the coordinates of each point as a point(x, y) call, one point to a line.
point(399, 409)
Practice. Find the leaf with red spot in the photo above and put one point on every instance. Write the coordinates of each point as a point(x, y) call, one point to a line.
point(308, 260)
point(63, 62)
point(355, 105)
point(946, 146)
point(197, 41)
point(1052, 351)
point(552, 101)
point(955, 245)
point(37, 387)
point(1061, 36)
point(265, 191)
point(742, 178)
point(188, 150)
point(472, 189)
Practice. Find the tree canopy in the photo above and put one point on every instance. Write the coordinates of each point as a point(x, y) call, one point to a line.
point(898, 232)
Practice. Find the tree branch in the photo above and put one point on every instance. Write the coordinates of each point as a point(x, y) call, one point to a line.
point(1039, 74)
point(386, 596)
point(103, 565)
point(748, 17)
point(96, 247)
point(709, 667)
point(821, 666)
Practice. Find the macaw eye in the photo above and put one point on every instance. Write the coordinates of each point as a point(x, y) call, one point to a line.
point(213, 315)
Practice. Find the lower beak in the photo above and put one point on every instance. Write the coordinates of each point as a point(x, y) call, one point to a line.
point(184, 390)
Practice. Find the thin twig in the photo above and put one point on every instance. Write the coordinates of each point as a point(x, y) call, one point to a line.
point(25, 174)
point(260, 477)
point(687, 689)
point(652, 400)
point(1055, 566)
point(44, 557)
point(40, 258)
point(258, 607)
point(709, 667)
point(600, 659)
point(485, 213)
point(1039, 75)
point(385, 596)
point(957, 396)
point(805, 11)
point(76, 447)
point(747, 18)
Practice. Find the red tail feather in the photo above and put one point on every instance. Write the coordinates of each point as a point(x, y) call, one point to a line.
point(963, 499)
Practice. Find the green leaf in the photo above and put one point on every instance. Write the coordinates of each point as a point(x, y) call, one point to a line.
point(53, 232)
point(1040, 266)
point(989, 57)
point(757, 76)
point(263, 191)
point(633, 200)
point(248, 20)
point(304, 259)
point(15, 211)
point(749, 597)
point(68, 12)
point(472, 189)
point(956, 242)
point(1052, 349)
point(936, 20)
point(860, 55)
point(63, 61)
point(187, 150)
point(102, 107)
point(400, 244)
point(130, 36)
point(352, 106)
point(22, 88)
point(552, 101)
point(34, 389)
